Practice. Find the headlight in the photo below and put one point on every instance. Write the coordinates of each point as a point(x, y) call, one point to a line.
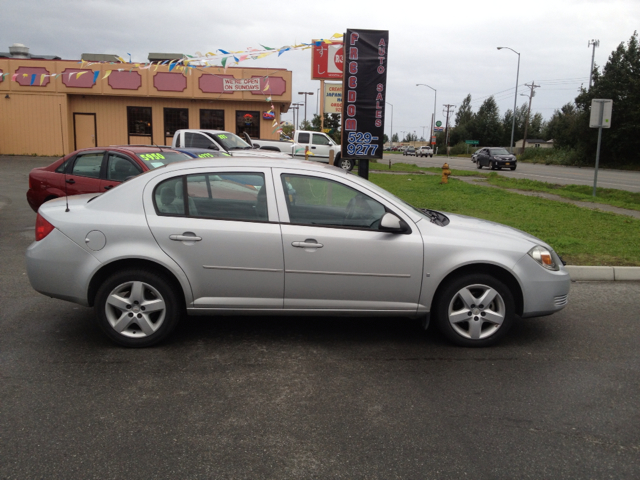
point(544, 257)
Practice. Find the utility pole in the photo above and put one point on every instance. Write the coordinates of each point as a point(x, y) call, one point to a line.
point(595, 43)
point(423, 127)
point(446, 128)
point(526, 120)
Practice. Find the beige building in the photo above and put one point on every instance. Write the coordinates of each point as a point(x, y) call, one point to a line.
point(534, 143)
point(50, 106)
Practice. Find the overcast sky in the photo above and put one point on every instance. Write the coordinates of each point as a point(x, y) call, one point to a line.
point(449, 45)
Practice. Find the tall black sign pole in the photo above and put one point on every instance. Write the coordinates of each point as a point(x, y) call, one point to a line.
point(364, 94)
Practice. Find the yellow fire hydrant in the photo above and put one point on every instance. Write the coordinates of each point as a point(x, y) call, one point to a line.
point(445, 173)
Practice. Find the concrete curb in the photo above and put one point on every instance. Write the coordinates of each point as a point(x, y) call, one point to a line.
point(603, 274)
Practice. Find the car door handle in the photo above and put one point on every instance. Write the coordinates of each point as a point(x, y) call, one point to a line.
point(308, 243)
point(313, 148)
point(70, 180)
point(185, 238)
point(108, 187)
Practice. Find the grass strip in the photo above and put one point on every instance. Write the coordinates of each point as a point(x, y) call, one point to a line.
point(583, 193)
point(581, 236)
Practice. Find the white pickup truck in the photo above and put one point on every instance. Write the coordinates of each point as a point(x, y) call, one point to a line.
point(318, 144)
point(219, 140)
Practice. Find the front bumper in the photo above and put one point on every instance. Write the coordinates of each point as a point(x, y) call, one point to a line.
point(544, 291)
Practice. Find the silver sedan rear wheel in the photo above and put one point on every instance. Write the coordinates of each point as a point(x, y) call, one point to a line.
point(475, 310)
point(137, 308)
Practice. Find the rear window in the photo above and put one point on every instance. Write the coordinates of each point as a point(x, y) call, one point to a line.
point(159, 159)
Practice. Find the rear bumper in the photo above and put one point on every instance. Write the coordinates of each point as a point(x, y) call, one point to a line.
point(64, 275)
point(34, 200)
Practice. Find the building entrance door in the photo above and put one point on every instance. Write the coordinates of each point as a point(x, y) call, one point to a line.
point(84, 129)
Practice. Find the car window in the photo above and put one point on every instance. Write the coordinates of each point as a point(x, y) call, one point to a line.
point(196, 140)
point(320, 139)
point(322, 202)
point(120, 168)
point(63, 166)
point(499, 151)
point(303, 138)
point(88, 165)
point(222, 196)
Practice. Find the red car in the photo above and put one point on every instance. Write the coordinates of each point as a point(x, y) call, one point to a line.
point(94, 170)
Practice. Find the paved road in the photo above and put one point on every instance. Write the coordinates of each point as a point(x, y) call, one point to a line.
point(271, 397)
point(622, 180)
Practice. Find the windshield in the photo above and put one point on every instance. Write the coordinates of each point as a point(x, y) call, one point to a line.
point(160, 159)
point(230, 141)
point(499, 151)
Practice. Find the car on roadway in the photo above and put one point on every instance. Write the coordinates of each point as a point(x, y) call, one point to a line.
point(409, 151)
point(474, 155)
point(276, 237)
point(94, 170)
point(424, 151)
point(496, 158)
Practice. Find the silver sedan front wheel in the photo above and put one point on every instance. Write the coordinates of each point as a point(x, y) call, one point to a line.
point(137, 308)
point(475, 310)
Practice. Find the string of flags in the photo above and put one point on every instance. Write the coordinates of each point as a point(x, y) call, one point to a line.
point(188, 62)
point(219, 58)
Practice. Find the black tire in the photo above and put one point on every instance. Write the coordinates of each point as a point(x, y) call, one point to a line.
point(346, 163)
point(127, 298)
point(478, 165)
point(492, 166)
point(431, 155)
point(486, 324)
point(513, 168)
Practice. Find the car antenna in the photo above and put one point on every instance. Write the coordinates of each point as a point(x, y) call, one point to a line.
point(66, 195)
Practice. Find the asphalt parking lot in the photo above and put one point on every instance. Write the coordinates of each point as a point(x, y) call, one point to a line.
point(271, 397)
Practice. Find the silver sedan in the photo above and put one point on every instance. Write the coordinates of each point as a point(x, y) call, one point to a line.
point(259, 236)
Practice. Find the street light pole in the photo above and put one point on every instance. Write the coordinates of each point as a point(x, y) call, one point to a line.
point(296, 114)
point(595, 43)
point(391, 137)
point(433, 117)
point(515, 99)
point(305, 103)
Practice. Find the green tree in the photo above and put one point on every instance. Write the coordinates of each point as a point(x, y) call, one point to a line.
point(288, 130)
point(562, 128)
point(488, 124)
point(464, 115)
point(331, 125)
point(620, 82)
point(394, 138)
point(410, 137)
point(464, 123)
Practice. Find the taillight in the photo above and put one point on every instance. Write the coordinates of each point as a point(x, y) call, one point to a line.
point(43, 228)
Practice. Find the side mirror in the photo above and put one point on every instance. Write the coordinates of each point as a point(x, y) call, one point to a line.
point(392, 224)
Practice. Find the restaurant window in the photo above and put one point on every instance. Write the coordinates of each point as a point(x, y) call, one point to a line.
point(139, 124)
point(212, 119)
point(175, 119)
point(248, 122)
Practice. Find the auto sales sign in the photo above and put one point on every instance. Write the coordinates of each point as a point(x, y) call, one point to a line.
point(327, 60)
point(364, 93)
